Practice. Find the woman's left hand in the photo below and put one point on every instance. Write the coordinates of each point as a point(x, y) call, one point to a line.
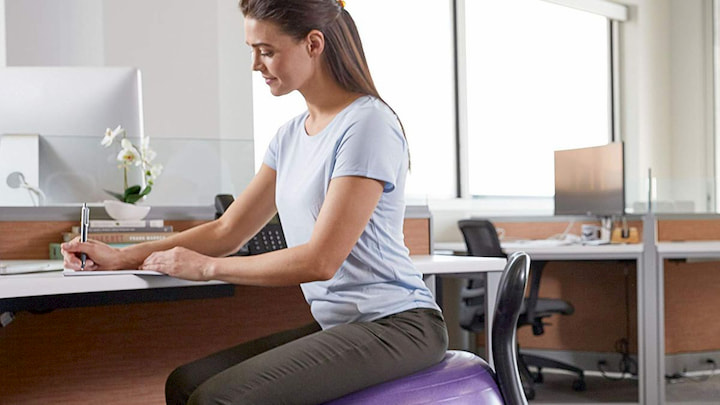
point(180, 262)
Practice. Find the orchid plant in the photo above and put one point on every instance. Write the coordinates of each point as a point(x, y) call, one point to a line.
point(130, 155)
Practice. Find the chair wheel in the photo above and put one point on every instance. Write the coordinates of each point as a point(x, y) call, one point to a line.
point(579, 385)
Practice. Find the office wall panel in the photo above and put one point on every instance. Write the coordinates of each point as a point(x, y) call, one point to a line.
point(122, 354)
point(691, 289)
point(691, 302)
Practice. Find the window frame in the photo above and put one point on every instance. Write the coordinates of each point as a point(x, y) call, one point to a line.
point(614, 13)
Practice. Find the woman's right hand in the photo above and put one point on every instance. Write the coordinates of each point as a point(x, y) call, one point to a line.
point(99, 256)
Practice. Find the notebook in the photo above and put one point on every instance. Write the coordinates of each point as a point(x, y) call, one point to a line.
point(9, 267)
point(71, 273)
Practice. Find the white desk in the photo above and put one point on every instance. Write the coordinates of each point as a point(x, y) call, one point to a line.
point(52, 290)
point(466, 266)
point(648, 354)
point(561, 252)
point(54, 283)
point(675, 250)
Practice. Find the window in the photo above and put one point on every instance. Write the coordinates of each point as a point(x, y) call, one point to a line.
point(409, 48)
point(538, 80)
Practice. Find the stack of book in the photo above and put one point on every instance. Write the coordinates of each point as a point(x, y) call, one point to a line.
point(118, 233)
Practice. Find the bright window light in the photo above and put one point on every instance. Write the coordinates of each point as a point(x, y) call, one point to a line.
point(537, 81)
point(410, 54)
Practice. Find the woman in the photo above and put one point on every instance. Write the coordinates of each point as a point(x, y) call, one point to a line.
point(336, 176)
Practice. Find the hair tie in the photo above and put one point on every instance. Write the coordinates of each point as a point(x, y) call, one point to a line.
point(341, 3)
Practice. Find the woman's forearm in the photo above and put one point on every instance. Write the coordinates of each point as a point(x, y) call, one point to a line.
point(284, 267)
point(211, 239)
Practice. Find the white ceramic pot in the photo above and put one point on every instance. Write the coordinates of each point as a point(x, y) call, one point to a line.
point(123, 211)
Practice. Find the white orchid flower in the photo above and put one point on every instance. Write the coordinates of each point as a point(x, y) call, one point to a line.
point(126, 144)
point(128, 156)
point(111, 134)
point(131, 155)
point(156, 170)
point(147, 153)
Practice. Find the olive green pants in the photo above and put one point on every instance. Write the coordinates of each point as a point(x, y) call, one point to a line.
point(311, 366)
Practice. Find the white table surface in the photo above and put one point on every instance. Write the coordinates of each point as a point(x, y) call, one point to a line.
point(456, 265)
point(689, 249)
point(53, 282)
point(560, 252)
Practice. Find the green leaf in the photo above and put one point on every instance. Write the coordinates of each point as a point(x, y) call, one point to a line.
point(132, 190)
point(116, 195)
point(146, 191)
point(133, 198)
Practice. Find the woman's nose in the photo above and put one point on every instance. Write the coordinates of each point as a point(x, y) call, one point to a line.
point(255, 63)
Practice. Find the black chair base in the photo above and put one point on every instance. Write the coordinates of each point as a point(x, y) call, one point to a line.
point(529, 378)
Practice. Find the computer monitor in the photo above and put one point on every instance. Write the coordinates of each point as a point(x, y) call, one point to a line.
point(77, 101)
point(590, 181)
point(70, 108)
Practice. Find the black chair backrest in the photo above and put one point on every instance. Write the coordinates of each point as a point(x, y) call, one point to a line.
point(511, 292)
point(481, 238)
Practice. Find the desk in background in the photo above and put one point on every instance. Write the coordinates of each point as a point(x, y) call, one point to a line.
point(676, 251)
point(648, 354)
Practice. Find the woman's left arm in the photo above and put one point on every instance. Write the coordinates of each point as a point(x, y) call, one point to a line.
point(348, 206)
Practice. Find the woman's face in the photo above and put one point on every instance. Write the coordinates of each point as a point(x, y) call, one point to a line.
point(284, 63)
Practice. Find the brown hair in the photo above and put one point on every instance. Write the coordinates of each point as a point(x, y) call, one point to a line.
point(343, 56)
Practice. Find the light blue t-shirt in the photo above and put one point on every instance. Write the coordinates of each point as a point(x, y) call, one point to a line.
point(377, 278)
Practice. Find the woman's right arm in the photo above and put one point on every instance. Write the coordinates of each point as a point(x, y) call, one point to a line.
point(244, 218)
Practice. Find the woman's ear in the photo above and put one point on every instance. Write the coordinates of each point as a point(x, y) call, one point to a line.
point(315, 43)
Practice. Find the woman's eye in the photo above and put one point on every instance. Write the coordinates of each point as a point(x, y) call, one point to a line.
point(262, 52)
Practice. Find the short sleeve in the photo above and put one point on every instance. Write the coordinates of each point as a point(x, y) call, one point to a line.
point(373, 147)
point(271, 154)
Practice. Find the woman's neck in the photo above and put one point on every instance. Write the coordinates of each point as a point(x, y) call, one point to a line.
point(329, 101)
point(324, 102)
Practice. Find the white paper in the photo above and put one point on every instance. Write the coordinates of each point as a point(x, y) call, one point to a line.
point(68, 272)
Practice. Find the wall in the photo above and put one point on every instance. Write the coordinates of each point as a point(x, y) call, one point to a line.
point(666, 99)
point(185, 49)
point(54, 33)
point(3, 45)
point(691, 102)
point(196, 81)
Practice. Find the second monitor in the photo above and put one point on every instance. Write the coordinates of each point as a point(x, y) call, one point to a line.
point(590, 181)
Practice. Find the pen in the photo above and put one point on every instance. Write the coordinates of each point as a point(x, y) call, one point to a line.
point(84, 223)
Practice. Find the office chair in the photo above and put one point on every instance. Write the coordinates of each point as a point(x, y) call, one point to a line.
point(463, 378)
point(482, 240)
point(508, 306)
